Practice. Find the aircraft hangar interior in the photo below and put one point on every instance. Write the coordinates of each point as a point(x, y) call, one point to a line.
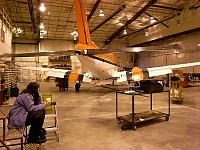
point(113, 74)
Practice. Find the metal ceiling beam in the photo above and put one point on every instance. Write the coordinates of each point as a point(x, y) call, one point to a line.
point(138, 14)
point(93, 10)
point(21, 2)
point(194, 7)
point(22, 22)
point(110, 17)
point(38, 20)
point(149, 26)
point(30, 7)
point(172, 36)
point(166, 7)
point(156, 19)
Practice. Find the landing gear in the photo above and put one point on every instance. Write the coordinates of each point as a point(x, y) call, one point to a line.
point(77, 86)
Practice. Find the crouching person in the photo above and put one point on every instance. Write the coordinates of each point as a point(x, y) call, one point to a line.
point(28, 109)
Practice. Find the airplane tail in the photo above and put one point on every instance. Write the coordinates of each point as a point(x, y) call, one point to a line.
point(83, 29)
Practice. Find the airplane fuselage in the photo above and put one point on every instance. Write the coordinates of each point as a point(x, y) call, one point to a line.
point(97, 68)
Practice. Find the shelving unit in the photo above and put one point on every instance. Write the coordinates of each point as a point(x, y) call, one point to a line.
point(134, 118)
point(60, 62)
point(8, 79)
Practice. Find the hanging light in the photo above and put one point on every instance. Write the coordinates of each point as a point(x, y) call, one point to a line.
point(42, 8)
point(124, 32)
point(75, 34)
point(42, 33)
point(152, 20)
point(41, 26)
point(41, 36)
point(101, 14)
point(17, 31)
point(146, 33)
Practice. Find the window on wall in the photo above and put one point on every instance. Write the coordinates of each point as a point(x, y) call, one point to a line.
point(2, 36)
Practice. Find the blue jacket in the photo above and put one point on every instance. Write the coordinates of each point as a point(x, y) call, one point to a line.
point(22, 106)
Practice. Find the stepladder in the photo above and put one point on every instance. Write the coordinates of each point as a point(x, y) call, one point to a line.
point(51, 117)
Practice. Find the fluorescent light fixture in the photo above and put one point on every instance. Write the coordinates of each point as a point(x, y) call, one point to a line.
point(137, 49)
point(41, 26)
point(42, 8)
point(198, 44)
point(101, 14)
point(124, 32)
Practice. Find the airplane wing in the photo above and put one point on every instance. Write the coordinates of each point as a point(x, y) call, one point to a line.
point(130, 49)
point(93, 51)
point(58, 73)
point(156, 71)
point(50, 53)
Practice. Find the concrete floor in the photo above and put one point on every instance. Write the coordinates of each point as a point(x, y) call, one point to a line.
point(87, 121)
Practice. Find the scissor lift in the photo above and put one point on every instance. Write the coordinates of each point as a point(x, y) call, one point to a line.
point(51, 117)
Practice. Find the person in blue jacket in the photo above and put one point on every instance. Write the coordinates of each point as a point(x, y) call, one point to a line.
point(28, 109)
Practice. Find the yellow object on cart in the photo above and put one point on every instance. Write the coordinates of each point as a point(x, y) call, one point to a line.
point(176, 92)
point(47, 98)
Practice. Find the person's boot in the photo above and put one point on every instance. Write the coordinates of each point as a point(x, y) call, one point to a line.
point(43, 131)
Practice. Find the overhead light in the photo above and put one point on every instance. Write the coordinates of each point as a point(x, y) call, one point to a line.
point(101, 14)
point(176, 52)
point(146, 33)
point(124, 32)
point(42, 8)
point(75, 34)
point(41, 26)
point(17, 31)
point(198, 44)
point(42, 33)
point(137, 49)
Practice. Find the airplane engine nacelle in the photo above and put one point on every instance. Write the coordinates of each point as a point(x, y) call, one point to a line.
point(73, 76)
point(137, 74)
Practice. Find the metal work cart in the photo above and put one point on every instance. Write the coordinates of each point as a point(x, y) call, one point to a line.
point(135, 118)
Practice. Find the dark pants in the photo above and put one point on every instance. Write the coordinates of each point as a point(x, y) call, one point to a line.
point(36, 120)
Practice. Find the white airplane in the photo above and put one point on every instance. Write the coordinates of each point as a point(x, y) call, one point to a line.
point(98, 63)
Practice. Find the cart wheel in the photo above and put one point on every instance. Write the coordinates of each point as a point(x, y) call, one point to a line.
point(119, 121)
point(134, 128)
point(166, 118)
